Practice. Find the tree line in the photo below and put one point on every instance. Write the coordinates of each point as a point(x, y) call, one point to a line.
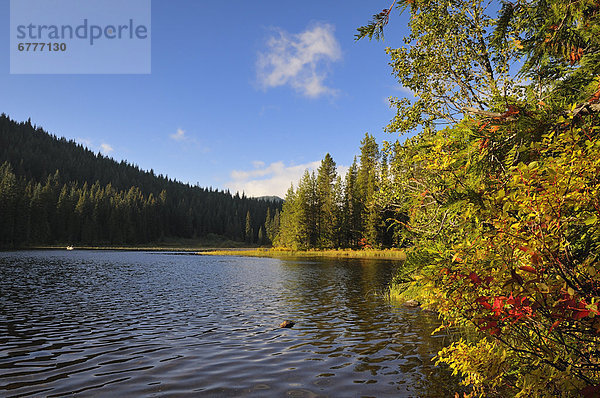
point(327, 210)
point(54, 191)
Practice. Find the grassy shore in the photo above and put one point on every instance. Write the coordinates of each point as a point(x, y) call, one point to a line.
point(402, 292)
point(390, 254)
point(231, 248)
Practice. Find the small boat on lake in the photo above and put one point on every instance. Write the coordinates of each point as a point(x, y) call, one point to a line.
point(70, 248)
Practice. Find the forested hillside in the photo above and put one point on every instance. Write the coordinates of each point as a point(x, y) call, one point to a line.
point(54, 191)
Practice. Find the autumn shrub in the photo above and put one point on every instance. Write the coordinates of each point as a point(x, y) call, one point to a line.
point(513, 249)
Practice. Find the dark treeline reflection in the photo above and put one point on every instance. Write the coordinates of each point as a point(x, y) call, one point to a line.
point(353, 327)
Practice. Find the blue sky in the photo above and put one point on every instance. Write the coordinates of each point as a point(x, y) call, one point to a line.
point(243, 95)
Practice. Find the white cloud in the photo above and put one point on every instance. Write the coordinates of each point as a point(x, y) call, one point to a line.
point(300, 60)
point(267, 180)
point(273, 179)
point(91, 145)
point(106, 148)
point(179, 135)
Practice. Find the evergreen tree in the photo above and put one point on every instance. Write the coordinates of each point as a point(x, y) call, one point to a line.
point(367, 182)
point(248, 230)
point(326, 203)
point(268, 225)
point(338, 217)
point(39, 226)
point(307, 211)
point(288, 231)
point(8, 201)
point(353, 208)
point(275, 226)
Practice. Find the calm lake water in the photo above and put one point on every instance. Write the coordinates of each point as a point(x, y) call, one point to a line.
point(161, 324)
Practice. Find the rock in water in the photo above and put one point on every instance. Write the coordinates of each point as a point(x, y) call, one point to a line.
point(286, 324)
point(412, 303)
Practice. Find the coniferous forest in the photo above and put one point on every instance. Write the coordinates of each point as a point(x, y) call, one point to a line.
point(328, 210)
point(54, 191)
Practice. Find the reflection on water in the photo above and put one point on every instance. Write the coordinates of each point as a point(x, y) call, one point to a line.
point(101, 323)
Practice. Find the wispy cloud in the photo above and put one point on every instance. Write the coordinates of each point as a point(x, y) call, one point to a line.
point(300, 60)
point(404, 90)
point(106, 148)
point(267, 108)
point(188, 142)
point(84, 141)
point(179, 135)
point(266, 180)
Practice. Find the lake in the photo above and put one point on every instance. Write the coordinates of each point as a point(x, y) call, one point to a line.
point(102, 323)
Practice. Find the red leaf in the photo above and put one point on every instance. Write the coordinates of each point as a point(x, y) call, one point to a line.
point(499, 301)
point(580, 314)
point(474, 278)
point(510, 300)
point(498, 305)
point(555, 324)
point(483, 301)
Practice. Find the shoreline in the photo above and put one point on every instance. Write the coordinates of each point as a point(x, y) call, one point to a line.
point(388, 254)
point(372, 254)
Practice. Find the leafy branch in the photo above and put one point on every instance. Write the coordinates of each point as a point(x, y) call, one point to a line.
point(376, 25)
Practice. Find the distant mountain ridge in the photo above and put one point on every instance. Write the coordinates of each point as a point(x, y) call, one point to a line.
point(275, 199)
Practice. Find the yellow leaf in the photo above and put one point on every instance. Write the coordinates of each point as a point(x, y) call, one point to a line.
point(518, 44)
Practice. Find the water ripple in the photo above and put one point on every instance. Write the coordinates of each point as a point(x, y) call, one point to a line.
point(105, 323)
